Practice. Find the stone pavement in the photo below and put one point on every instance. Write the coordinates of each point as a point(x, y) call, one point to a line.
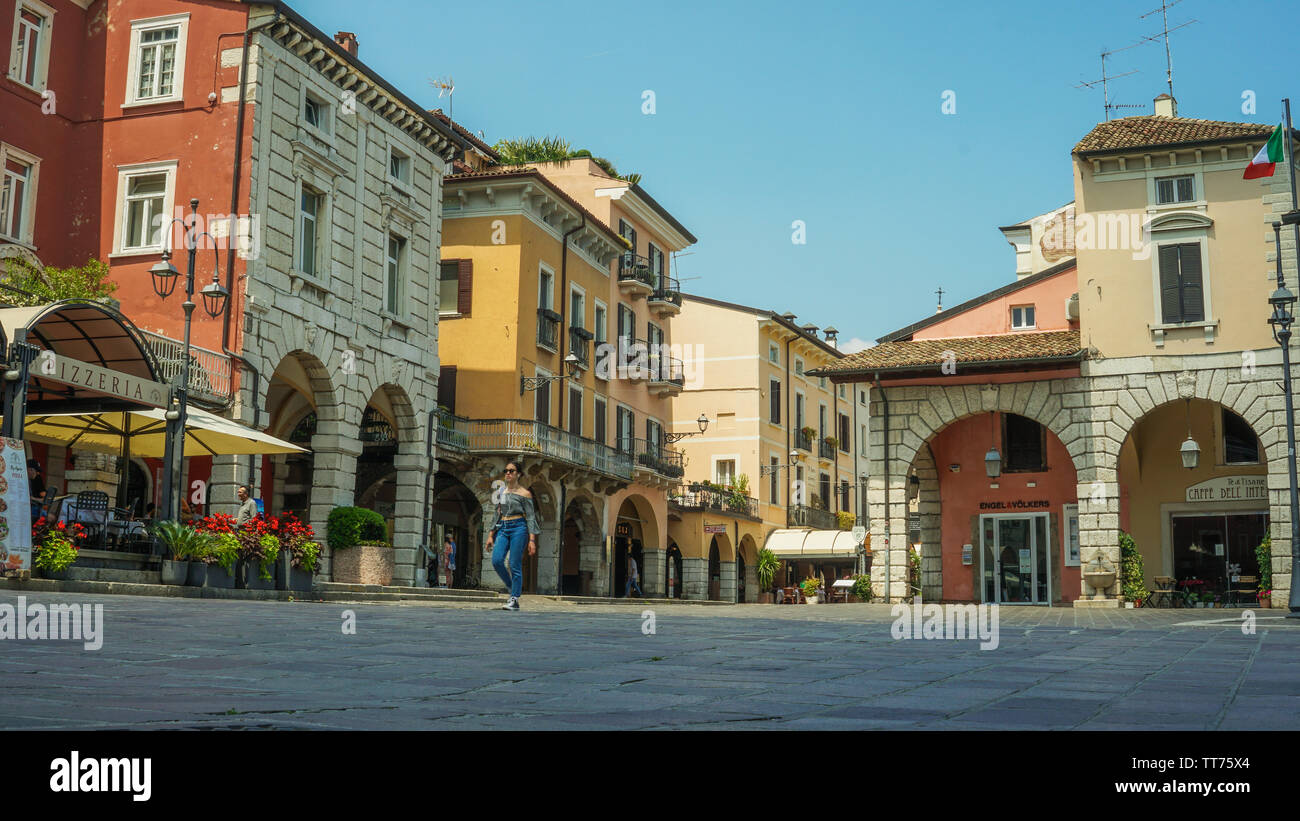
point(197, 663)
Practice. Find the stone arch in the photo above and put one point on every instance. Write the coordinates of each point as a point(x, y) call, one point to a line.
point(455, 508)
point(746, 570)
point(581, 545)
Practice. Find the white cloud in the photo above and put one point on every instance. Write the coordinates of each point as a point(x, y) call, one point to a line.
point(854, 345)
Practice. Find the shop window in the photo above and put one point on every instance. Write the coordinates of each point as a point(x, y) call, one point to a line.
point(1240, 445)
point(1025, 444)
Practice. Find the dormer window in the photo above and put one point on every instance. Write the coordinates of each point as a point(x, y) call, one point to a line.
point(1022, 318)
point(1175, 189)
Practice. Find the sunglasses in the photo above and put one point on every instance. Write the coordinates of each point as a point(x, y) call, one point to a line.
point(511, 470)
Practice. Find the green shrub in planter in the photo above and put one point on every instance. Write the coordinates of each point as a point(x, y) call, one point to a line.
point(766, 569)
point(350, 526)
point(1133, 587)
point(862, 588)
point(1264, 555)
point(810, 585)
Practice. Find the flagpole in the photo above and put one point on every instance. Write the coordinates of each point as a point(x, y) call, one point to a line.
point(1282, 312)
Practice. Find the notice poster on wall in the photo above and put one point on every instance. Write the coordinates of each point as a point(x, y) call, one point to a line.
point(1025, 563)
point(15, 507)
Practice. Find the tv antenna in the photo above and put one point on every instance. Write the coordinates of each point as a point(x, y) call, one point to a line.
point(1164, 33)
point(1104, 82)
point(449, 87)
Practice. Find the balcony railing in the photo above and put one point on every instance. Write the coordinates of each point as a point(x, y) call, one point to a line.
point(667, 290)
point(722, 501)
point(522, 436)
point(548, 328)
point(814, 517)
point(660, 458)
point(667, 369)
point(825, 449)
point(209, 371)
point(802, 441)
point(580, 345)
point(634, 269)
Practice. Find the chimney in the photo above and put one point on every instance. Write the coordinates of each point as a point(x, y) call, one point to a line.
point(348, 40)
point(1166, 106)
point(832, 335)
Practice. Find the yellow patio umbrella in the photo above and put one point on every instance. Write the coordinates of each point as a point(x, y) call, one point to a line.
point(143, 433)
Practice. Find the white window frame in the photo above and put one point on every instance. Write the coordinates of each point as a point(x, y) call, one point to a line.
point(537, 395)
point(1155, 200)
point(1182, 236)
point(864, 440)
point(138, 27)
point(572, 386)
point(403, 263)
point(840, 391)
point(578, 322)
point(124, 173)
point(323, 260)
point(734, 458)
point(798, 367)
point(542, 267)
point(1069, 558)
point(403, 183)
point(774, 353)
point(1021, 308)
point(28, 218)
point(604, 400)
point(454, 310)
point(43, 45)
point(600, 306)
point(1198, 201)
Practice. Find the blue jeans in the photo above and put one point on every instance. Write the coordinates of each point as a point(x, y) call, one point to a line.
point(631, 582)
point(512, 535)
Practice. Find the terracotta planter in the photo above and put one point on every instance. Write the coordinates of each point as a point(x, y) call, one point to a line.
point(1266, 602)
point(364, 564)
point(764, 598)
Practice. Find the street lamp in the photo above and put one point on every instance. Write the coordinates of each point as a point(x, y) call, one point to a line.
point(992, 459)
point(703, 422)
point(1190, 451)
point(532, 383)
point(1283, 316)
point(215, 297)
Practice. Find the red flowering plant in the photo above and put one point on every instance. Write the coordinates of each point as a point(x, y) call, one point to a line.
point(298, 538)
point(55, 545)
point(257, 543)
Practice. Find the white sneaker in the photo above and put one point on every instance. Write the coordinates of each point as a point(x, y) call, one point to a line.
point(511, 604)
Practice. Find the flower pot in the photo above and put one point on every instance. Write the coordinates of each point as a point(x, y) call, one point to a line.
point(174, 572)
point(248, 576)
point(810, 599)
point(764, 598)
point(283, 564)
point(1265, 602)
point(219, 578)
point(54, 575)
point(1128, 605)
point(198, 575)
point(300, 580)
point(364, 564)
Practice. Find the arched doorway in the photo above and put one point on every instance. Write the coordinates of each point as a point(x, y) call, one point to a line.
point(629, 535)
point(746, 557)
point(740, 578)
point(579, 548)
point(673, 572)
point(455, 511)
point(715, 571)
point(294, 470)
point(376, 483)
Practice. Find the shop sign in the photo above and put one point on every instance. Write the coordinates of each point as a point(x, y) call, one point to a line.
point(1230, 489)
point(623, 529)
point(68, 371)
point(15, 507)
point(715, 528)
point(1019, 504)
point(967, 554)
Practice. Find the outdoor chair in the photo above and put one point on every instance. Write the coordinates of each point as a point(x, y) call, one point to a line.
point(1243, 584)
point(92, 514)
point(1164, 591)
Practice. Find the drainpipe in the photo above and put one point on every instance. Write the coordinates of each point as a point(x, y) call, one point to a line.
point(236, 172)
point(564, 309)
point(857, 502)
point(428, 479)
point(888, 544)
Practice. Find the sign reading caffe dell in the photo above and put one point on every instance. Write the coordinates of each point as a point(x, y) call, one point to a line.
point(1230, 489)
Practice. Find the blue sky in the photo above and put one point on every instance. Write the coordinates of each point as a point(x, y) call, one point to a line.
point(829, 113)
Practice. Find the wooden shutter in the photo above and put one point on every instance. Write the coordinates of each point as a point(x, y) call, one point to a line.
point(1170, 301)
point(599, 426)
point(776, 401)
point(1189, 265)
point(464, 286)
point(447, 387)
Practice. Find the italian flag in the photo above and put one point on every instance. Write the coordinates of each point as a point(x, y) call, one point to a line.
point(1266, 160)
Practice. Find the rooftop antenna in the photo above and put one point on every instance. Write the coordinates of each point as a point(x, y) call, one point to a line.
point(448, 86)
point(1164, 17)
point(1104, 82)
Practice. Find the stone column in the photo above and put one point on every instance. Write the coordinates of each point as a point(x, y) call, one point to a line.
point(548, 556)
point(228, 473)
point(695, 579)
point(727, 588)
point(1099, 538)
point(654, 574)
point(408, 517)
point(334, 470)
point(890, 562)
point(93, 471)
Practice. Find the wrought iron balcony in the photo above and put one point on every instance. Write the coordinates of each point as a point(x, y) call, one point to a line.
point(697, 497)
point(660, 458)
point(803, 441)
point(825, 450)
point(548, 329)
point(635, 275)
point(516, 436)
point(210, 372)
point(667, 374)
point(814, 517)
point(580, 345)
point(667, 296)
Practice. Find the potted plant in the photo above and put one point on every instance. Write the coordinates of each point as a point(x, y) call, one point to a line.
point(299, 552)
point(845, 520)
point(832, 442)
point(184, 545)
point(766, 568)
point(862, 588)
point(216, 567)
point(809, 586)
point(1264, 557)
point(358, 542)
point(55, 547)
point(1132, 585)
point(258, 549)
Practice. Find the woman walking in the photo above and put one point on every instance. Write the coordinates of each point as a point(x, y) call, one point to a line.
point(515, 525)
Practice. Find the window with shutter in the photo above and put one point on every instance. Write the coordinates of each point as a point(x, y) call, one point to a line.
point(599, 426)
point(775, 394)
point(464, 286)
point(1181, 288)
point(447, 387)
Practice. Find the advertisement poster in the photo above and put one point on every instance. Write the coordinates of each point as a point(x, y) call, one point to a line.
point(15, 507)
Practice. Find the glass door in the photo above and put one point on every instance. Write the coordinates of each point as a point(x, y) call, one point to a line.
point(1015, 562)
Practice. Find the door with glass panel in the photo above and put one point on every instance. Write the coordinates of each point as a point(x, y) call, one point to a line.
point(1014, 566)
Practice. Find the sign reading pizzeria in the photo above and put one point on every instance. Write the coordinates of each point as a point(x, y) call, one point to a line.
point(1019, 504)
point(54, 368)
point(1230, 489)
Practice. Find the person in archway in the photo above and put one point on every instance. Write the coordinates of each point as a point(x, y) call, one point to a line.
point(36, 490)
point(449, 558)
point(633, 578)
point(515, 526)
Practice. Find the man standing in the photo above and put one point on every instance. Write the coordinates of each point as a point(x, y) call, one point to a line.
point(449, 559)
point(36, 488)
point(633, 578)
point(247, 507)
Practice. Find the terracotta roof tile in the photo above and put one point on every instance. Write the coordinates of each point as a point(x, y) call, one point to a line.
point(967, 350)
point(1150, 130)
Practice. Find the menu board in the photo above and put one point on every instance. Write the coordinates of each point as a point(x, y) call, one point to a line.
point(15, 507)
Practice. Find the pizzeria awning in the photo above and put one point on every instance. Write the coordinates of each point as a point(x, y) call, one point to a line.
point(800, 544)
point(206, 434)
